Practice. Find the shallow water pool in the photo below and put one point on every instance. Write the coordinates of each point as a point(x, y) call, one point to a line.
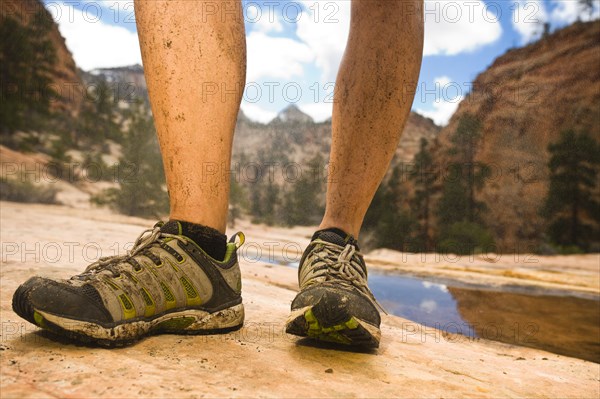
point(561, 322)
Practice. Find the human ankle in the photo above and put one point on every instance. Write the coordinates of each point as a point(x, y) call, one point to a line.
point(211, 240)
point(335, 235)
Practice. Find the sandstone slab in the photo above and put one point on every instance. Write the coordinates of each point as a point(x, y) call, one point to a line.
point(258, 361)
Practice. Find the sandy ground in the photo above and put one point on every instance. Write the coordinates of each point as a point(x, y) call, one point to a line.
point(259, 360)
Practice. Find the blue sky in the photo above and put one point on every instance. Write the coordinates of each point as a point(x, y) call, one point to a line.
point(294, 47)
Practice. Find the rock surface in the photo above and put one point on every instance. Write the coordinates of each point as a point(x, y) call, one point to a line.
point(525, 100)
point(65, 78)
point(573, 273)
point(257, 361)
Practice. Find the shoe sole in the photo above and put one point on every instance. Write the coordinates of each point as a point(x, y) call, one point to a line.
point(187, 321)
point(352, 331)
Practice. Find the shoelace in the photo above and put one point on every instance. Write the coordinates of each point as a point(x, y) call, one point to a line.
point(143, 242)
point(342, 266)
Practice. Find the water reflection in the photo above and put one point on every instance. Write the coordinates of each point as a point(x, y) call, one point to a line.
point(564, 324)
point(561, 324)
point(418, 300)
point(557, 322)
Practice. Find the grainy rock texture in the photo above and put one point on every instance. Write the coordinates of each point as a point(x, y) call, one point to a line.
point(258, 361)
point(525, 100)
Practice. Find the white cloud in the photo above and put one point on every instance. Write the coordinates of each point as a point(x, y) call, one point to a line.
point(325, 33)
point(529, 16)
point(93, 43)
point(447, 100)
point(451, 28)
point(442, 82)
point(568, 11)
point(318, 111)
point(265, 23)
point(275, 57)
point(455, 27)
point(442, 111)
point(428, 305)
point(565, 11)
point(257, 113)
point(440, 287)
point(109, 3)
point(528, 19)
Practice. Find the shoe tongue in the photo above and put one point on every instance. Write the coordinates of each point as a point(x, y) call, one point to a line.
point(335, 236)
point(172, 227)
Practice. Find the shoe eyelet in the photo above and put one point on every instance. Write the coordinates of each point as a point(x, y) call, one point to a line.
point(143, 268)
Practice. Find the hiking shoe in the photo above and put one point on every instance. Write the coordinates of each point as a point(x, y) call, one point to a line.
point(165, 284)
point(334, 303)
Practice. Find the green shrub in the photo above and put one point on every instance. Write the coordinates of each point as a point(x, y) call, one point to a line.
point(140, 171)
point(549, 248)
point(18, 190)
point(572, 205)
point(464, 238)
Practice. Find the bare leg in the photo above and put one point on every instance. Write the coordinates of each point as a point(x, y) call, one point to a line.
point(194, 56)
point(374, 94)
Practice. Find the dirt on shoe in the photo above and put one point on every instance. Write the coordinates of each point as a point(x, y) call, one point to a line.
point(165, 284)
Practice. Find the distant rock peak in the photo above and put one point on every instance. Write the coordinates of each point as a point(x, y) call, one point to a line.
point(292, 113)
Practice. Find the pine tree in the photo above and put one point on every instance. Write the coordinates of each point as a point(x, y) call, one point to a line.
point(257, 205)
point(378, 208)
point(586, 6)
point(572, 206)
point(388, 222)
point(27, 61)
point(238, 200)
point(96, 122)
point(300, 203)
point(471, 173)
point(259, 208)
point(106, 111)
point(425, 179)
point(395, 228)
point(140, 171)
point(458, 210)
point(265, 194)
point(271, 199)
point(303, 204)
